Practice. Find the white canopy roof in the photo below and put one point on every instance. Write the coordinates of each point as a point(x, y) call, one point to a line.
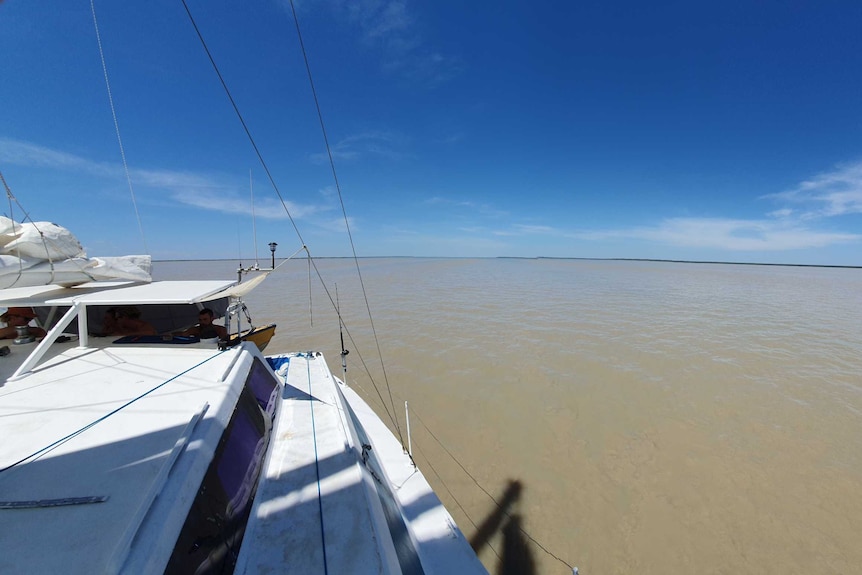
point(117, 293)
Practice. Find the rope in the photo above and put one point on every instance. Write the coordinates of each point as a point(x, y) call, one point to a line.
point(117, 127)
point(45, 241)
point(10, 197)
point(74, 434)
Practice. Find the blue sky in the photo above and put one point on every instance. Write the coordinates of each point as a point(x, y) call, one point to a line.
point(680, 130)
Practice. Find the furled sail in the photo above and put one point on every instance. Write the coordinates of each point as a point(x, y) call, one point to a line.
point(43, 253)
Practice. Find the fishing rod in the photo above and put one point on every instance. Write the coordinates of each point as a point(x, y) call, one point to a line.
point(344, 352)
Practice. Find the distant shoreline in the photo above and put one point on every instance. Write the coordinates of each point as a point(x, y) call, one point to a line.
point(704, 262)
point(545, 258)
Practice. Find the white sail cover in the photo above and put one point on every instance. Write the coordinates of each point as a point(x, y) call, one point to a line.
point(43, 253)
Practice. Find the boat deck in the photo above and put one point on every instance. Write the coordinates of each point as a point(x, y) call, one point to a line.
point(312, 509)
point(341, 496)
point(109, 428)
point(127, 432)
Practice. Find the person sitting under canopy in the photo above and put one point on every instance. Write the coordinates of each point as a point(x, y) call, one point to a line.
point(206, 329)
point(126, 320)
point(15, 317)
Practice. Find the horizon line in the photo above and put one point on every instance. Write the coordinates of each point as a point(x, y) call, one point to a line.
point(657, 260)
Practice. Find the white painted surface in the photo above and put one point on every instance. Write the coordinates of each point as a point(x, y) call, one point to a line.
point(138, 425)
point(120, 457)
point(312, 511)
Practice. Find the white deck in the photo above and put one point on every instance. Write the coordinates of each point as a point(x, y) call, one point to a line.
point(440, 544)
point(122, 457)
point(319, 508)
point(312, 510)
point(135, 426)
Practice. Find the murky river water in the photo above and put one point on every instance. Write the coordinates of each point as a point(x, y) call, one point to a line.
point(633, 417)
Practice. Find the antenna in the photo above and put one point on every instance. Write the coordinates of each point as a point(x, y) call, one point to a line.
point(253, 221)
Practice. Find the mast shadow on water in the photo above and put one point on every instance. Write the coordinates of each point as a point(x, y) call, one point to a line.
point(515, 557)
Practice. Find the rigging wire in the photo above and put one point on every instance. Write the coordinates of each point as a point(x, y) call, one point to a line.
point(242, 121)
point(393, 415)
point(117, 128)
point(57, 247)
point(344, 212)
point(368, 372)
point(10, 197)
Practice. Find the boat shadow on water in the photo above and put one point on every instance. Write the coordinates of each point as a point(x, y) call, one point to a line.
point(515, 556)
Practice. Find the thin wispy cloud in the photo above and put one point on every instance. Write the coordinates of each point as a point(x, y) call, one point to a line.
point(457, 242)
point(706, 233)
point(358, 146)
point(727, 234)
point(218, 200)
point(534, 229)
point(391, 27)
point(198, 190)
point(431, 69)
point(451, 139)
point(834, 193)
point(782, 213)
point(28, 154)
point(380, 19)
point(338, 225)
point(465, 207)
point(171, 179)
point(441, 201)
point(827, 195)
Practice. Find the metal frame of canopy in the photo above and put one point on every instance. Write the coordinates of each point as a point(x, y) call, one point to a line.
point(79, 298)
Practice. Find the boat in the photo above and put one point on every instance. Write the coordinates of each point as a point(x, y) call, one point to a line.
point(166, 454)
point(176, 454)
point(259, 336)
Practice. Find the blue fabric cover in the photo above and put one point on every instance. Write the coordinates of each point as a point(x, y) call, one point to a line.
point(277, 362)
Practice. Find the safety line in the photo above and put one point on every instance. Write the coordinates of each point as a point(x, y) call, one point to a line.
point(74, 434)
